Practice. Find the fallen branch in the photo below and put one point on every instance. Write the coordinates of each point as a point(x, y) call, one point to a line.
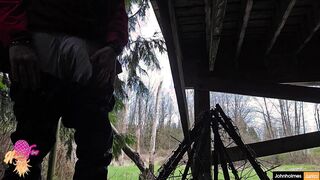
point(134, 156)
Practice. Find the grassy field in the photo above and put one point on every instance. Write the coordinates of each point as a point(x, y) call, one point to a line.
point(131, 172)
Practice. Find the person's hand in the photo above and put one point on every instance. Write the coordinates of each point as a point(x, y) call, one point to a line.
point(104, 64)
point(24, 67)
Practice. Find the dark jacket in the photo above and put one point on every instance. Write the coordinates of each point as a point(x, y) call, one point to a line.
point(102, 20)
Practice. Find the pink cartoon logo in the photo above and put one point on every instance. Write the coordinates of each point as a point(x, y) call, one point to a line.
point(21, 154)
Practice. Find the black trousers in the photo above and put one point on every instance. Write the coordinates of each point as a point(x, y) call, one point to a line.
point(82, 106)
point(38, 112)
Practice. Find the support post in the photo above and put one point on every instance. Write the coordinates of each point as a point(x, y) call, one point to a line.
point(201, 168)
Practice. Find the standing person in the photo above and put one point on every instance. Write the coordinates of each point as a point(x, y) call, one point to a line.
point(63, 64)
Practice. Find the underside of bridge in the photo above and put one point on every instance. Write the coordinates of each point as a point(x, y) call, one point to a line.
point(265, 48)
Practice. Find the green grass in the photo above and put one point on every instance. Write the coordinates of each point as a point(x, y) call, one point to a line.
point(131, 172)
point(123, 172)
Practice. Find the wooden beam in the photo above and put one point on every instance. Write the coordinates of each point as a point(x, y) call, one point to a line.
point(208, 18)
point(280, 21)
point(201, 166)
point(278, 146)
point(312, 32)
point(167, 19)
point(243, 27)
point(259, 89)
point(215, 23)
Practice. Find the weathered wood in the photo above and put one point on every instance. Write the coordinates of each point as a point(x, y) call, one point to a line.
point(219, 151)
point(208, 17)
point(181, 89)
point(169, 29)
point(201, 167)
point(260, 89)
point(215, 153)
point(280, 22)
point(243, 26)
point(226, 123)
point(217, 16)
point(278, 146)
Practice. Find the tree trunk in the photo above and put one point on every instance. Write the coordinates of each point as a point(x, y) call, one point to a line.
point(124, 127)
point(154, 132)
point(283, 117)
point(289, 127)
point(146, 119)
point(268, 120)
point(303, 121)
point(169, 122)
point(316, 117)
point(300, 117)
point(296, 118)
point(139, 126)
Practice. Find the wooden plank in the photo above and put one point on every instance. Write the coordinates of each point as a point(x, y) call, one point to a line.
point(191, 20)
point(243, 27)
point(280, 22)
point(193, 35)
point(262, 14)
point(262, 23)
point(189, 3)
point(259, 89)
point(192, 28)
point(189, 12)
point(278, 146)
point(170, 32)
